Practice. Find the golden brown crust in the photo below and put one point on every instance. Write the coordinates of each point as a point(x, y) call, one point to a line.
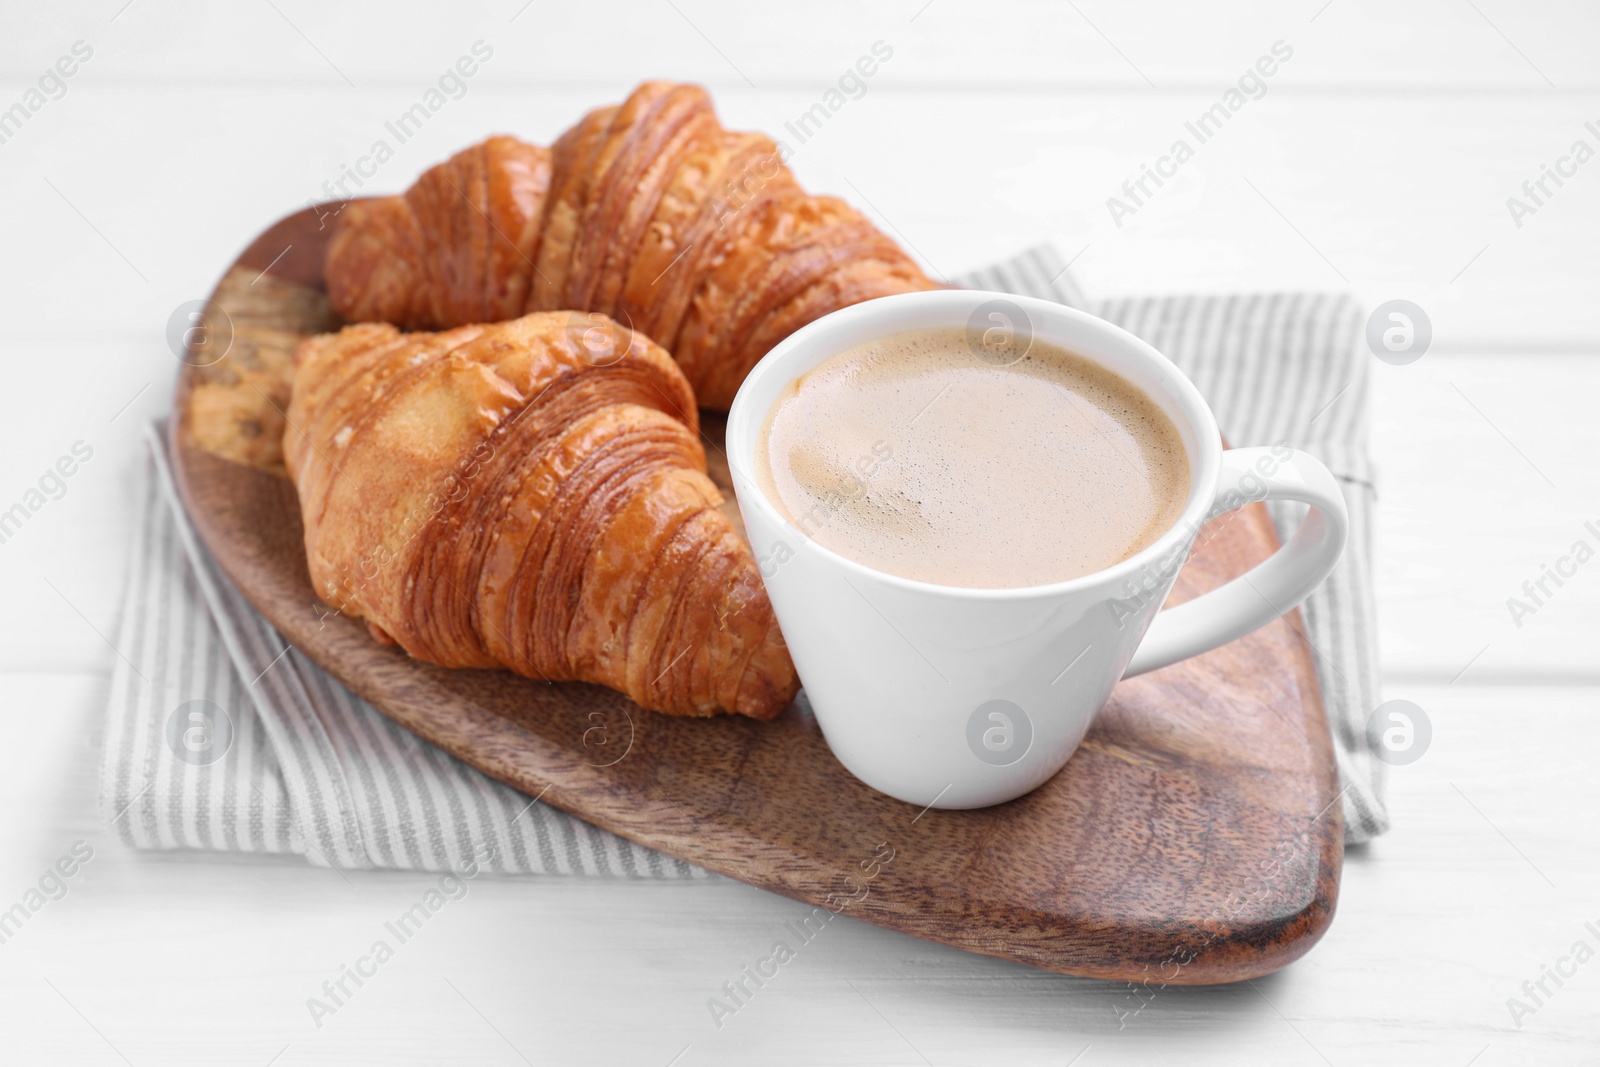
point(375, 269)
point(572, 158)
point(692, 230)
point(649, 212)
point(531, 495)
point(457, 248)
point(650, 134)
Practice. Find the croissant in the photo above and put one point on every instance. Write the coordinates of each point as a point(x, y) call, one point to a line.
point(650, 213)
point(530, 495)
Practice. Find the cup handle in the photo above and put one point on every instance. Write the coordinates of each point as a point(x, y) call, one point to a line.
point(1271, 587)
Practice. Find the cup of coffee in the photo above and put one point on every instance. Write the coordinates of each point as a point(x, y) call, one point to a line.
point(968, 509)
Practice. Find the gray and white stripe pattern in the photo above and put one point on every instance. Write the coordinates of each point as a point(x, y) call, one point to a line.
point(1286, 368)
point(313, 769)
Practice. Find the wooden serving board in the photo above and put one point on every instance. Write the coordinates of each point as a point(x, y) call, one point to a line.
point(1196, 837)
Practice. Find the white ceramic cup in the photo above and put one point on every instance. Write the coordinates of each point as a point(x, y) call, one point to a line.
point(958, 697)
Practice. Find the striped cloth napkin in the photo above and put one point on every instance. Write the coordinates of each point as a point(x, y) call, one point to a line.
point(222, 737)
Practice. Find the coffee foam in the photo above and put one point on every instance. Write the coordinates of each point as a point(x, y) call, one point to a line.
point(913, 456)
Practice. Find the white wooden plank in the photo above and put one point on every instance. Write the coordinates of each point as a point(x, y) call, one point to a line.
point(1381, 158)
point(1486, 473)
point(1032, 43)
point(62, 570)
point(194, 958)
point(1388, 198)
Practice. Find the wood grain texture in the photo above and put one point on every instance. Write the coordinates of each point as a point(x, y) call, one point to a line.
point(1194, 838)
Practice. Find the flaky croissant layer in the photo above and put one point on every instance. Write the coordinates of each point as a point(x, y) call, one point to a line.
point(649, 212)
point(531, 495)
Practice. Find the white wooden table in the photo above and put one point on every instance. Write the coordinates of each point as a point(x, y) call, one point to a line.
point(1380, 159)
